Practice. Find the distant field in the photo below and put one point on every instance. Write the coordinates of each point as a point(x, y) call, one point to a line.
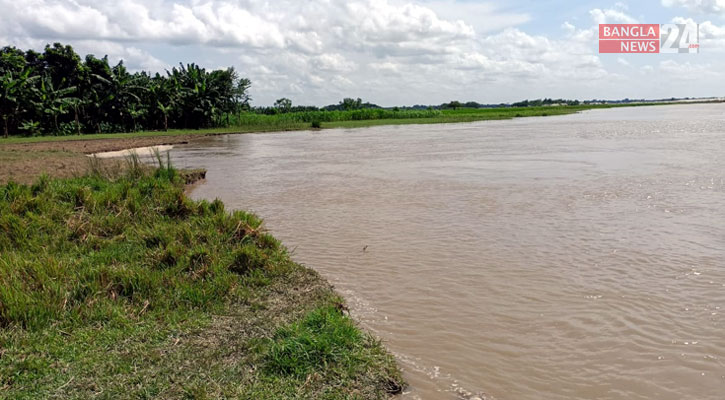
point(466, 115)
point(250, 123)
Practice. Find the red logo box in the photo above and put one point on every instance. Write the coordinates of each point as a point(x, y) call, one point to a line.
point(629, 38)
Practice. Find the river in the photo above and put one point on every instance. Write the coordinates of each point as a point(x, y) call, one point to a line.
point(557, 258)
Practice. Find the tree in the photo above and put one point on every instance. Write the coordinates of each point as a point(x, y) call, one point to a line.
point(12, 61)
point(54, 102)
point(196, 100)
point(284, 104)
point(12, 91)
point(62, 65)
point(9, 90)
point(165, 97)
point(56, 88)
point(240, 94)
point(96, 91)
point(76, 103)
point(348, 104)
point(165, 109)
point(125, 94)
point(136, 111)
point(14, 79)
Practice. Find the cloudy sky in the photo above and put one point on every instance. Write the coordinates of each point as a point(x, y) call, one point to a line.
point(389, 52)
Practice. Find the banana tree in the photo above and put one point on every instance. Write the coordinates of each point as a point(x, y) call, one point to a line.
point(76, 103)
point(8, 98)
point(164, 93)
point(165, 109)
point(125, 89)
point(54, 102)
point(98, 98)
point(135, 112)
point(12, 89)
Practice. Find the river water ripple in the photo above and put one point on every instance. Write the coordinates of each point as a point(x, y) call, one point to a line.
point(558, 258)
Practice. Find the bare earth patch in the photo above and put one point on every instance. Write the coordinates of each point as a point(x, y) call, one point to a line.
point(24, 162)
point(86, 146)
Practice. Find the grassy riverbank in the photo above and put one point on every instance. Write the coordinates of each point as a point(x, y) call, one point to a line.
point(123, 287)
point(468, 115)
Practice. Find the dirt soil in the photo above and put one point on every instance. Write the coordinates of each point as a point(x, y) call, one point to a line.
point(24, 162)
point(100, 145)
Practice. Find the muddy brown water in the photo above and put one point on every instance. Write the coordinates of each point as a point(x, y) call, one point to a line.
point(558, 258)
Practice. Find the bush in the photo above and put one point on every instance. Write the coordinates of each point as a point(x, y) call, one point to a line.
point(31, 128)
point(67, 129)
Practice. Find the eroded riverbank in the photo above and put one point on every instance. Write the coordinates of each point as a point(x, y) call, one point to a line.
point(126, 288)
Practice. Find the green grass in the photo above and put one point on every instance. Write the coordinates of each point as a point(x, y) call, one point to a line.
point(250, 123)
point(126, 288)
point(324, 337)
point(466, 115)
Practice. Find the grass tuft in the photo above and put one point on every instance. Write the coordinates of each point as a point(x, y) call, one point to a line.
point(324, 337)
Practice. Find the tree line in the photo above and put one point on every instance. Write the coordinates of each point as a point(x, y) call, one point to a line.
point(58, 92)
point(284, 106)
point(545, 102)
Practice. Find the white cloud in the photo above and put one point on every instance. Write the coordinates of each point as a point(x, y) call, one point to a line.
point(134, 58)
point(686, 70)
point(611, 16)
point(568, 27)
point(483, 17)
point(616, 15)
point(317, 51)
point(708, 30)
point(712, 36)
point(524, 54)
point(381, 21)
point(701, 6)
point(37, 18)
point(211, 23)
point(333, 62)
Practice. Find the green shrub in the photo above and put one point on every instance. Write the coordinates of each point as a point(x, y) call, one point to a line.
point(31, 128)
